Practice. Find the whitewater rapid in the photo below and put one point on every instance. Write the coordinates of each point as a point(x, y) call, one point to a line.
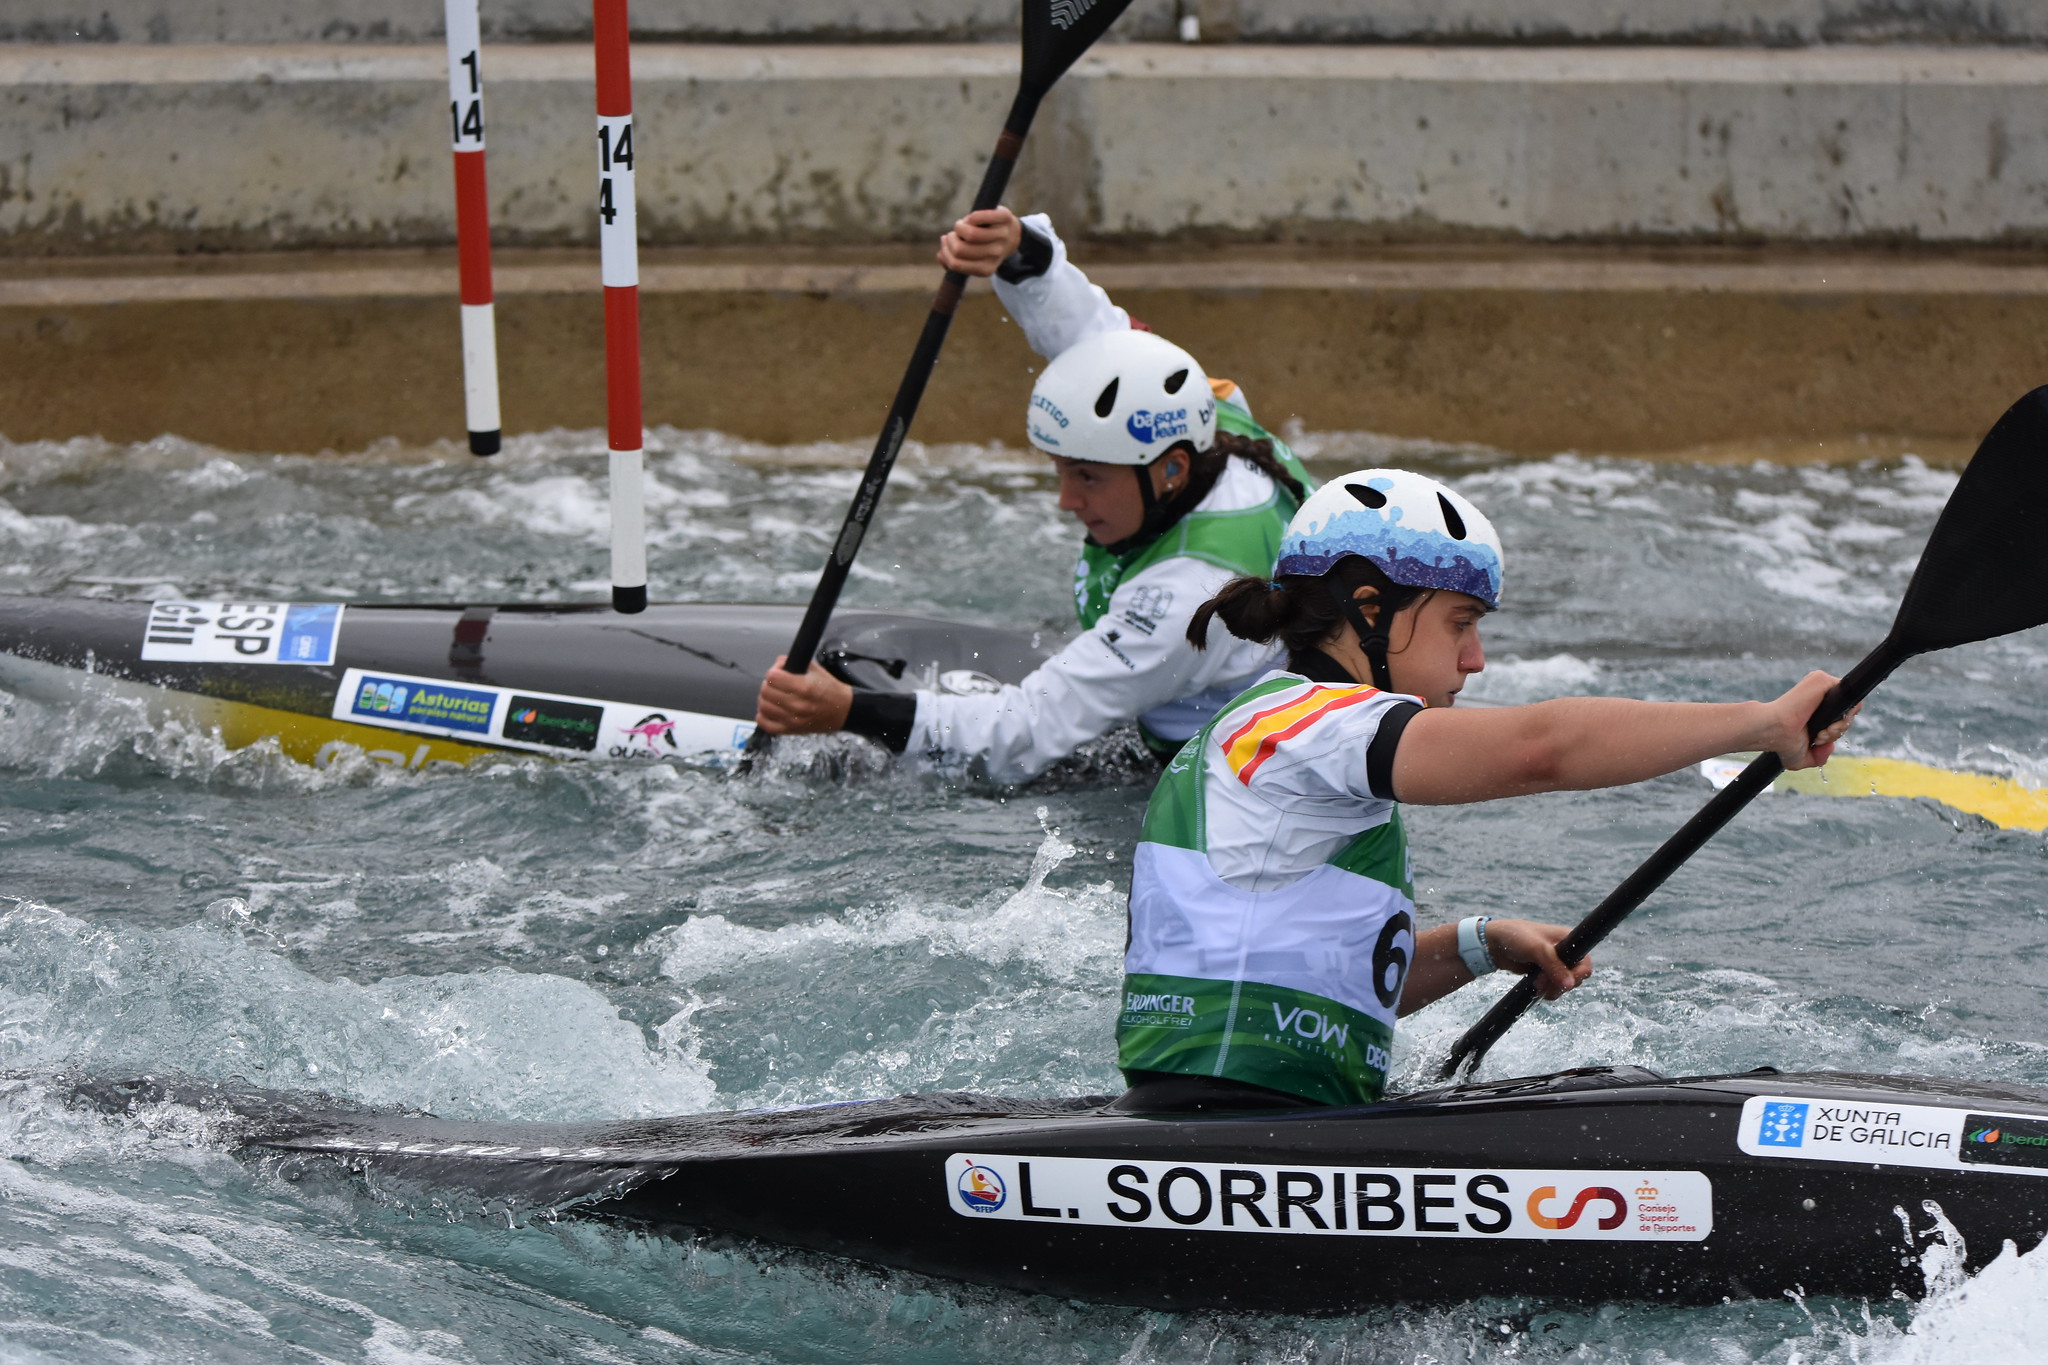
point(533, 940)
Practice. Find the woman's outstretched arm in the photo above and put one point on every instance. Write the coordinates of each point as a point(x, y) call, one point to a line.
point(1450, 755)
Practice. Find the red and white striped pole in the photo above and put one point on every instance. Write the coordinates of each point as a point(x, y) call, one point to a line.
point(473, 228)
point(620, 251)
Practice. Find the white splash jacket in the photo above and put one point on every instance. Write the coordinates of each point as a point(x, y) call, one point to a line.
point(1132, 660)
point(1055, 305)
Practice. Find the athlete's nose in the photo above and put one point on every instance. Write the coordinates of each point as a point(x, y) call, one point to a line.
point(1474, 660)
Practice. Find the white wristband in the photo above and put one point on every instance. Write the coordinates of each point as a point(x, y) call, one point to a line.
point(1472, 945)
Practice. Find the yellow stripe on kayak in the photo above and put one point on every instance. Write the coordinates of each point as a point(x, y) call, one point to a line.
point(315, 739)
point(2002, 801)
point(310, 739)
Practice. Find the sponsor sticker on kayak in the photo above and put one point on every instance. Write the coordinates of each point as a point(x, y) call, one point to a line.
point(1989, 1140)
point(424, 704)
point(640, 732)
point(241, 632)
point(1335, 1201)
point(553, 723)
point(543, 722)
point(1892, 1135)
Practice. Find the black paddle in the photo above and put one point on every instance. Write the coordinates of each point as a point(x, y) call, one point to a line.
point(1983, 574)
point(1056, 33)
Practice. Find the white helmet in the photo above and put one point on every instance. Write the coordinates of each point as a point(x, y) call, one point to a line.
point(1121, 397)
point(1418, 531)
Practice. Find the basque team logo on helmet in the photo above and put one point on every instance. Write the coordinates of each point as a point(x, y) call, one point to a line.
point(1123, 397)
point(1418, 531)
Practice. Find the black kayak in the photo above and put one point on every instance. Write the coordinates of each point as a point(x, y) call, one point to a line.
point(413, 685)
point(1590, 1185)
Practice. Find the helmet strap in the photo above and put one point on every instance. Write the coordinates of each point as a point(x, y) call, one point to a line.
point(1162, 513)
point(1372, 640)
point(1149, 499)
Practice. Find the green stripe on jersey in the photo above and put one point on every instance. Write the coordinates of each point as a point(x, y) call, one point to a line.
point(1287, 1040)
point(1381, 854)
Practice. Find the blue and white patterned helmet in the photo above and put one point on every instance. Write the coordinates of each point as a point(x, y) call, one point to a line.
point(1418, 531)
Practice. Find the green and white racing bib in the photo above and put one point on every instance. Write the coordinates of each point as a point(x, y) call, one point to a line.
point(1272, 907)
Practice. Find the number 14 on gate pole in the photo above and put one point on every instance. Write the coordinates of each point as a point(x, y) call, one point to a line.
point(620, 252)
point(472, 227)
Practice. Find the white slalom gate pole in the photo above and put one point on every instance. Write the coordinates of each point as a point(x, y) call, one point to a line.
point(619, 247)
point(473, 228)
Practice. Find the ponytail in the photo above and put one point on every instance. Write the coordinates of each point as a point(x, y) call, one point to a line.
point(1299, 610)
point(1251, 608)
point(1259, 455)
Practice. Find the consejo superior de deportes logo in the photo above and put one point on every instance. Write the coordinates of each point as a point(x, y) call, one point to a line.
point(1617, 1211)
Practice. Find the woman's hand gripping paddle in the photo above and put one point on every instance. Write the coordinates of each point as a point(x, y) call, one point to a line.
point(1983, 574)
point(1056, 33)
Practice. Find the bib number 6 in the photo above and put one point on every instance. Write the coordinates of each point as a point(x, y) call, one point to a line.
point(1390, 958)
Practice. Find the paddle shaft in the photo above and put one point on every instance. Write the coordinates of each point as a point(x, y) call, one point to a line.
point(1853, 688)
point(909, 394)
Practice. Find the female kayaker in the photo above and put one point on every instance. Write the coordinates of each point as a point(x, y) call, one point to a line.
point(1272, 917)
point(1178, 489)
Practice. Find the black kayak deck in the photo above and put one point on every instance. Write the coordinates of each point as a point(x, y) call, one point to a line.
point(1603, 1183)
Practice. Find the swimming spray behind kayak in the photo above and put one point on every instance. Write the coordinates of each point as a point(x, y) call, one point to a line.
point(413, 685)
point(1590, 1185)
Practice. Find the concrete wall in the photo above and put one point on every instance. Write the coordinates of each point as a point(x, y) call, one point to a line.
point(1776, 22)
point(129, 148)
point(1746, 22)
point(1593, 349)
point(401, 21)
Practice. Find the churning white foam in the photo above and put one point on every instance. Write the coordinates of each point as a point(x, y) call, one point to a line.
point(1060, 934)
point(1044, 961)
point(1998, 1314)
point(214, 1004)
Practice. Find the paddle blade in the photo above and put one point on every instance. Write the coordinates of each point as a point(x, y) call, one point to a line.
point(1985, 570)
point(1057, 32)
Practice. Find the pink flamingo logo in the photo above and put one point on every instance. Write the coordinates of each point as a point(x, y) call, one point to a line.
point(651, 727)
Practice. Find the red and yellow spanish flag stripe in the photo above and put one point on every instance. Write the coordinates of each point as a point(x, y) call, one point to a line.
point(1254, 742)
